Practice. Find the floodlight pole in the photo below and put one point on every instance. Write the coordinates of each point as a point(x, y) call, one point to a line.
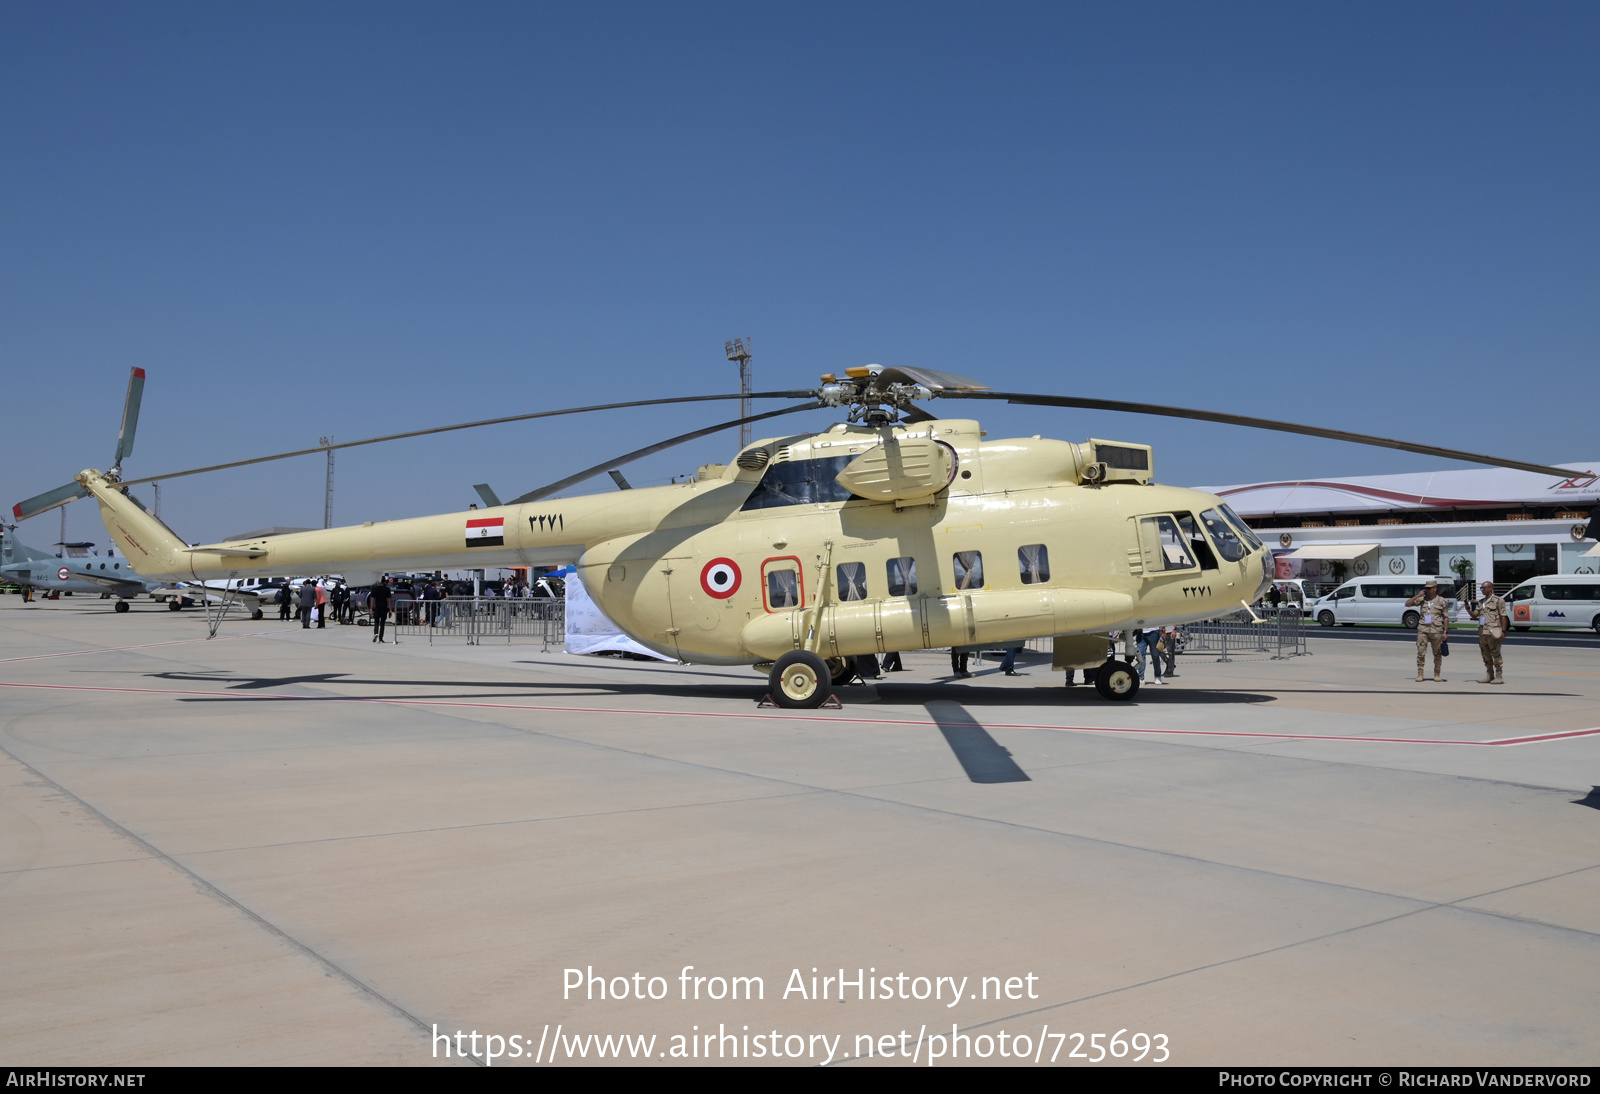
point(327, 494)
point(739, 350)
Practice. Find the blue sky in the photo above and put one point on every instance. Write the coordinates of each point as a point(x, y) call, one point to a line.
point(356, 219)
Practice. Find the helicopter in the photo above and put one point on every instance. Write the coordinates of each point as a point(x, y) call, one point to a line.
point(891, 530)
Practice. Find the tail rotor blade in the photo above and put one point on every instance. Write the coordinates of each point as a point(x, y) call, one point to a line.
point(50, 499)
point(130, 416)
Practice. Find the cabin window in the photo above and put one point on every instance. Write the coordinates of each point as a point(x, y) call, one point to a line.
point(1229, 545)
point(852, 580)
point(969, 570)
point(903, 576)
point(1034, 562)
point(783, 589)
point(800, 482)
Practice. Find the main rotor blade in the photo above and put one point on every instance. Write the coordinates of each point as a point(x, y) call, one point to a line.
point(639, 453)
point(130, 415)
point(1257, 423)
point(468, 425)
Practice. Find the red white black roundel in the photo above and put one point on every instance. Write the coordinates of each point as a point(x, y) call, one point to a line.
point(63, 573)
point(720, 578)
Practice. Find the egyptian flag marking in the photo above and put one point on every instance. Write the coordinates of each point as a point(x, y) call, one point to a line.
point(486, 532)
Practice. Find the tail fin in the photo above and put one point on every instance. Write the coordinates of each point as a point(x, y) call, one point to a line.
point(151, 548)
point(14, 550)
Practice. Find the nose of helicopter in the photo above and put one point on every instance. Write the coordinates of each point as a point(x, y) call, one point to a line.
point(1269, 567)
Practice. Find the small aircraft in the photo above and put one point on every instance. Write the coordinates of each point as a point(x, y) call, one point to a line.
point(893, 529)
point(76, 570)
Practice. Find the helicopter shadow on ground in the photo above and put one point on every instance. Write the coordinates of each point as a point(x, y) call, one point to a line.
point(462, 690)
point(1084, 695)
point(984, 759)
point(1591, 799)
point(908, 693)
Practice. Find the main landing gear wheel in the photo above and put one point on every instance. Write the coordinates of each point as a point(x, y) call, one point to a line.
point(840, 671)
point(800, 679)
point(122, 605)
point(174, 605)
point(1325, 618)
point(257, 614)
point(1117, 680)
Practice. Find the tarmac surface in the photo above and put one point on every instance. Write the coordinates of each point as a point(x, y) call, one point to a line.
point(299, 847)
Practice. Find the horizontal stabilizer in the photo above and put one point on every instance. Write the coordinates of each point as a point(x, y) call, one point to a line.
point(40, 503)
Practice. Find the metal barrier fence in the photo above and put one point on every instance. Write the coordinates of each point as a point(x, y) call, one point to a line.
point(475, 619)
point(1280, 633)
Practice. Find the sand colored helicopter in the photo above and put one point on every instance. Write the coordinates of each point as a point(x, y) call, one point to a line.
point(891, 530)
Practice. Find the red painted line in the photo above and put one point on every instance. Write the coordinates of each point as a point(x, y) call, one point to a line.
point(143, 646)
point(805, 717)
point(1544, 737)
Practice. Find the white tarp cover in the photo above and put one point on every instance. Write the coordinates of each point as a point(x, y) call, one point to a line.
point(590, 631)
point(1330, 550)
point(1593, 551)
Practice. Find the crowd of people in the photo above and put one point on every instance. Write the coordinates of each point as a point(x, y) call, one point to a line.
point(316, 600)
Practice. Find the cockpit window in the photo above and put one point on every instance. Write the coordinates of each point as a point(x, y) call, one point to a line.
point(1229, 545)
point(1245, 531)
point(800, 482)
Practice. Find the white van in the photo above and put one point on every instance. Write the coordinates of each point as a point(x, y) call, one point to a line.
point(1380, 600)
point(1569, 601)
point(1297, 592)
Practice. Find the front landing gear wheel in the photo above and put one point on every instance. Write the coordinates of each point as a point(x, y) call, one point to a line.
point(257, 614)
point(1117, 680)
point(122, 605)
point(800, 679)
point(174, 605)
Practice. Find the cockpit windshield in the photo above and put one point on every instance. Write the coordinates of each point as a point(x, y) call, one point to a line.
point(1245, 531)
point(1229, 545)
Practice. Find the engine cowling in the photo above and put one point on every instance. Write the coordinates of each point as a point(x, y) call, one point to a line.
point(901, 469)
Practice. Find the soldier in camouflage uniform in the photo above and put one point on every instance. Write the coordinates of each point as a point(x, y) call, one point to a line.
point(1493, 618)
point(1432, 629)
